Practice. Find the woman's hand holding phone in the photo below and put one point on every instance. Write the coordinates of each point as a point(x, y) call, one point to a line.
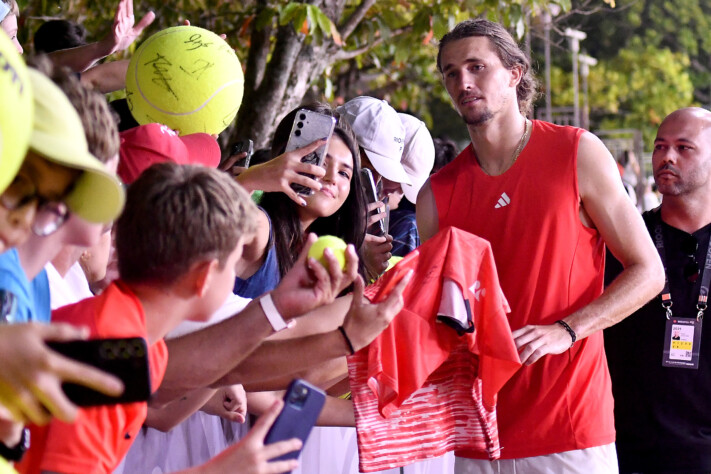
point(277, 174)
point(251, 455)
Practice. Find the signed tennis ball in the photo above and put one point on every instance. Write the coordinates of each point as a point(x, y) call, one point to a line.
point(337, 246)
point(187, 78)
point(17, 106)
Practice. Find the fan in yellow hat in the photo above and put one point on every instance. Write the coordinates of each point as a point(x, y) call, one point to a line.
point(58, 136)
point(16, 116)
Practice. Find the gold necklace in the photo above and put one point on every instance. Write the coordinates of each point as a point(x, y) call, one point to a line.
point(527, 127)
point(522, 142)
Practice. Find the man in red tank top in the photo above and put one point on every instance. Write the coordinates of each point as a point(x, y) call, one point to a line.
point(548, 199)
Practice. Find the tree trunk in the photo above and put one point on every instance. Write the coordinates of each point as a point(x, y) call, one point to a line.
point(274, 87)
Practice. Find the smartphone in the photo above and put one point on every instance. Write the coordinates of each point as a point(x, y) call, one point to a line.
point(243, 146)
point(126, 358)
point(371, 193)
point(302, 405)
point(308, 127)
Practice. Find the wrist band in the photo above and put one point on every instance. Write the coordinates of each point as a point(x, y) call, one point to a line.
point(348, 341)
point(272, 313)
point(565, 325)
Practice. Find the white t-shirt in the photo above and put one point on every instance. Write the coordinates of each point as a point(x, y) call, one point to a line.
point(197, 439)
point(72, 288)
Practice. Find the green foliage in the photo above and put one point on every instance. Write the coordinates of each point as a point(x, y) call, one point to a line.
point(636, 89)
point(393, 45)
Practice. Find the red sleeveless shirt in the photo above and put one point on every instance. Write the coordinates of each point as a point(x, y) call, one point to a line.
point(549, 266)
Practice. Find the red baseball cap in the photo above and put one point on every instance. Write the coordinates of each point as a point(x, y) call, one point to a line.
point(152, 143)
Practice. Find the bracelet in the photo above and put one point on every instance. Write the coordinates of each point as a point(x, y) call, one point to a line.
point(272, 313)
point(348, 341)
point(565, 325)
point(15, 453)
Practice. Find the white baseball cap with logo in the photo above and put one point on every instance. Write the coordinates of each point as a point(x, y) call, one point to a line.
point(380, 133)
point(418, 155)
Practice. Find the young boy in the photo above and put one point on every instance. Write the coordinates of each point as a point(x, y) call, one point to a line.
point(179, 241)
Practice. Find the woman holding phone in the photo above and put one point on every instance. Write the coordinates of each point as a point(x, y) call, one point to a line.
point(336, 206)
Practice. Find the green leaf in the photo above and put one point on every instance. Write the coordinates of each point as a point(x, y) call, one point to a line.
point(264, 19)
point(324, 22)
point(311, 14)
point(439, 25)
point(299, 19)
point(288, 13)
point(328, 89)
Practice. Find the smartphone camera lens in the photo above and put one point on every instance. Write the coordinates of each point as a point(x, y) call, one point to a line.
point(298, 396)
point(297, 133)
point(300, 124)
point(302, 116)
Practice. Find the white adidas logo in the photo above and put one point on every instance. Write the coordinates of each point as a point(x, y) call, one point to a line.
point(477, 290)
point(504, 200)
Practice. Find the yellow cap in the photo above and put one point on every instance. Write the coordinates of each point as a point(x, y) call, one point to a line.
point(15, 110)
point(58, 136)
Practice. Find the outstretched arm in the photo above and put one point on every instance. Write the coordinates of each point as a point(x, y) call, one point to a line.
point(201, 358)
point(605, 202)
point(251, 455)
point(123, 33)
point(107, 77)
point(275, 362)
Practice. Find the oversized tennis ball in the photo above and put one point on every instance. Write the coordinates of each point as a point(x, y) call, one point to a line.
point(17, 111)
point(187, 78)
point(337, 246)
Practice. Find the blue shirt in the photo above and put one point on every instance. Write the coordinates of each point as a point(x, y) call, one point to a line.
point(403, 228)
point(20, 300)
point(266, 278)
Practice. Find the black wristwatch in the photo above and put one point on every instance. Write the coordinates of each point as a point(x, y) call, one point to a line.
point(16, 452)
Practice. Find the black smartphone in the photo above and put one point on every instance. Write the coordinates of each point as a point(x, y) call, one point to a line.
point(126, 358)
point(371, 194)
point(303, 403)
point(243, 146)
point(308, 127)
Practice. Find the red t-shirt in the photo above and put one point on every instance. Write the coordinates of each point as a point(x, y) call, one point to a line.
point(549, 265)
point(420, 389)
point(100, 437)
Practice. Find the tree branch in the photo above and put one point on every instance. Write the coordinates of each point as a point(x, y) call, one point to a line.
point(350, 54)
point(257, 56)
point(350, 24)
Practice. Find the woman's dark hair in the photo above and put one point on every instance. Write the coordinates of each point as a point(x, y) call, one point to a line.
point(55, 35)
point(348, 222)
point(445, 152)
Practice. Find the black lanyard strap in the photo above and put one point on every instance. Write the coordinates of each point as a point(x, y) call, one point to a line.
point(702, 302)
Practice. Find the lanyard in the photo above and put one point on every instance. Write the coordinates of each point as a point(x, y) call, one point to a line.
point(705, 275)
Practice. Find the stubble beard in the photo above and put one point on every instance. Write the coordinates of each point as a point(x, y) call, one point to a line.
point(476, 119)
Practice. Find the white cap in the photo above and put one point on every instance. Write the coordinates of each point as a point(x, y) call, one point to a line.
point(418, 156)
point(380, 133)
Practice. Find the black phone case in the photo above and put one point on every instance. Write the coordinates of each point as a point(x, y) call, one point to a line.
point(246, 145)
point(126, 358)
point(303, 403)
